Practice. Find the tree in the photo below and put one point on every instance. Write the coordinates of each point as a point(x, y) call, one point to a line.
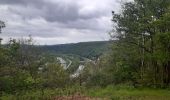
point(54, 76)
point(136, 46)
point(2, 25)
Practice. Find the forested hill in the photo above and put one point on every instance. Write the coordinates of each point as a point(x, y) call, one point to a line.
point(84, 49)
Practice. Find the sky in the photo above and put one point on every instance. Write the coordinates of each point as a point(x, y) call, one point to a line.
point(58, 21)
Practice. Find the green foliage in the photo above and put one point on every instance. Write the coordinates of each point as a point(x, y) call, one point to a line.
point(141, 52)
point(23, 67)
point(91, 50)
point(140, 56)
point(126, 92)
point(54, 76)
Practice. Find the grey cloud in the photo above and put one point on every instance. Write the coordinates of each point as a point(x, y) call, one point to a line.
point(58, 19)
point(52, 12)
point(22, 2)
point(61, 13)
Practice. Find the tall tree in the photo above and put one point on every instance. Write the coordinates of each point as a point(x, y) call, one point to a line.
point(136, 37)
point(2, 25)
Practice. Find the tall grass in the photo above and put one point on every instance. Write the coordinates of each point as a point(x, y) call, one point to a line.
point(123, 92)
point(120, 92)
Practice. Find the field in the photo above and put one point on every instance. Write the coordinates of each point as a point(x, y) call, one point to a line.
point(108, 93)
point(129, 93)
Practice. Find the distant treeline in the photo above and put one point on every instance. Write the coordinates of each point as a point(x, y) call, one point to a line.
point(91, 50)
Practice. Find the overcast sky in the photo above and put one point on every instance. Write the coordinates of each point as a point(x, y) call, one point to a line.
point(58, 21)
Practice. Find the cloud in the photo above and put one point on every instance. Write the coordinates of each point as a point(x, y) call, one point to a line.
point(58, 21)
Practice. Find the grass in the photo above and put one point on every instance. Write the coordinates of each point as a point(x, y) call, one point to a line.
point(130, 93)
point(47, 94)
point(110, 92)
